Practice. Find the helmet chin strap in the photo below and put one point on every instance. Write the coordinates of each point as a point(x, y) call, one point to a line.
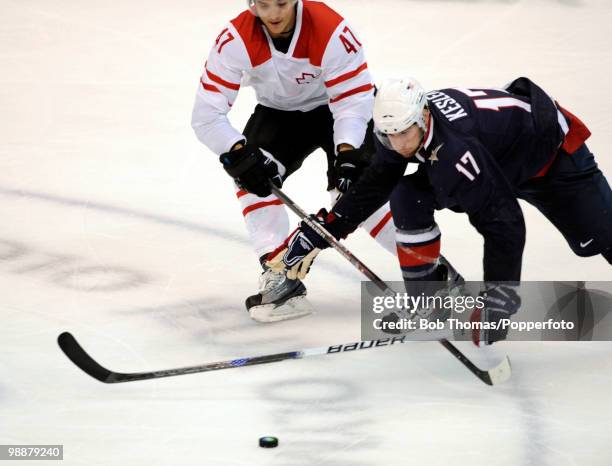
point(421, 142)
point(426, 120)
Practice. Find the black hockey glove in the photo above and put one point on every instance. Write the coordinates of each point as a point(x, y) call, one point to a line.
point(501, 301)
point(253, 169)
point(301, 247)
point(348, 166)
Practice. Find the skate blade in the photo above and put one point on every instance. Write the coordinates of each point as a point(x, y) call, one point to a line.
point(293, 308)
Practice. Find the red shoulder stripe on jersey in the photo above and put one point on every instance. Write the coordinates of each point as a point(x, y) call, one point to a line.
point(220, 80)
point(346, 76)
point(318, 24)
point(357, 90)
point(376, 230)
point(241, 193)
point(253, 37)
point(578, 132)
point(259, 205)
point(209, 87)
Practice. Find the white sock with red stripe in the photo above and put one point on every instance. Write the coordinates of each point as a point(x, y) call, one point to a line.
point(418, 252)
point(380, 226)
point(266, 220)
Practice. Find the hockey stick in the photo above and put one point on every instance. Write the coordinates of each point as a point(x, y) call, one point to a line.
point(71, 348)
point(500, 373)
point(333, 242)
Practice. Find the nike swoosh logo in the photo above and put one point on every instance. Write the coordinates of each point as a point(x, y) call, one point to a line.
point(584, 245)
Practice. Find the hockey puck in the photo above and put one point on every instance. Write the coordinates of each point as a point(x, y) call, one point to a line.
point(268, 442)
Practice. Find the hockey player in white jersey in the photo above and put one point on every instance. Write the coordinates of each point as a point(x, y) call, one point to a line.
point(314, 90)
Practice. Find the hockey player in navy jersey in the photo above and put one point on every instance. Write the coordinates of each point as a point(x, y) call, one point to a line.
point(479, 151)
point(314, 90)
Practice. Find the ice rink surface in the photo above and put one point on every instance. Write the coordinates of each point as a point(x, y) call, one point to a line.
point(119, 226)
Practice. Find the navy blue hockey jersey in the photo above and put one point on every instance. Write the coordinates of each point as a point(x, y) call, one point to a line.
point(479, 146)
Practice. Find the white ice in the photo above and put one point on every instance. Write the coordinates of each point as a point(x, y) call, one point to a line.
point(119, 226)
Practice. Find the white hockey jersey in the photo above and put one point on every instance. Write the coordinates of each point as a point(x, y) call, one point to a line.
point(325, 64)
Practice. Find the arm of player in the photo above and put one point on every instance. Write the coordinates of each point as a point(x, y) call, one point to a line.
point(349, 86)
point(217, 91)
point(487, 197)
point(373, 188)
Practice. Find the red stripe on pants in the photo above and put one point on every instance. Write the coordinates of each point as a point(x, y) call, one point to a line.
point(260, 205)
point(376, 230)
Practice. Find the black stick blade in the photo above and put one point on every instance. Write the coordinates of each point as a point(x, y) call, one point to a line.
point(81, 359)
point(87, 364)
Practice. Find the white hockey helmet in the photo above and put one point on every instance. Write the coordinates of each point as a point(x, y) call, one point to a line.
point(252, 9)
point(398, 105)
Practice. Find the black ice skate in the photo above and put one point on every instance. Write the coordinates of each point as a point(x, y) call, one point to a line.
point(278, 299)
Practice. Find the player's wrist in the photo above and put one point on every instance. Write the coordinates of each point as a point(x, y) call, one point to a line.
point(238, 145)
point(344, 147)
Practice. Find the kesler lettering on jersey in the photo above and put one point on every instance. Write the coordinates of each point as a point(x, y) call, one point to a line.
point(448, 106)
